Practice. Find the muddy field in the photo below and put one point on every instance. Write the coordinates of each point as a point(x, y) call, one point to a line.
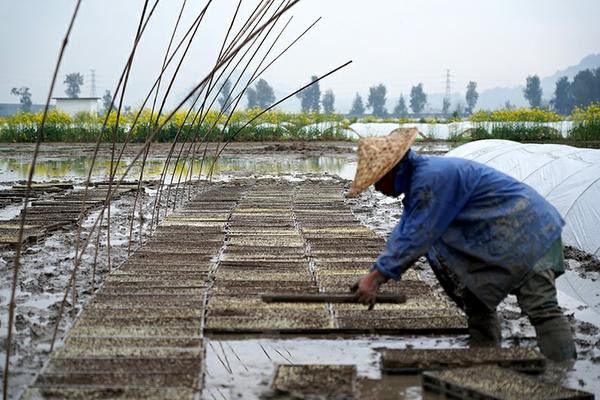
point(47, 266)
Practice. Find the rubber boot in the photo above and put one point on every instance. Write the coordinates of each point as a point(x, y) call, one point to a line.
point(484, 330)
point(556, 340)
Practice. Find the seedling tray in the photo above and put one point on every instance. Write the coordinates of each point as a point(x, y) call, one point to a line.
point(316, 381)
point(495, 383)
point(401, 361)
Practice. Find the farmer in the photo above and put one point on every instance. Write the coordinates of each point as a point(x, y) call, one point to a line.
point(484, 233)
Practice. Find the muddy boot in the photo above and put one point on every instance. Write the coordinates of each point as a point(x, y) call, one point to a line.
point(484, 330)
point(556, 340)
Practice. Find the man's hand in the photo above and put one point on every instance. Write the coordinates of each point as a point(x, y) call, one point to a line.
point(367, 287)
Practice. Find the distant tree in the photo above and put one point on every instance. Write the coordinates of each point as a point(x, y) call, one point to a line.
point(400, 110)
point(74, 81)
point(562, 102)
point(585, 88)
point(107, 101)
point(310, 98)
point(445, 105)
point(533, 91)
point(376, 100)
point(459, 110)
point(418, 98)
point(25, 98)
point(251, 97)
point(358, 108)
point(508, 105)
point(127, 110)
point(471, 96)
point(225, 95)
point(265, 95)
point(328, 102)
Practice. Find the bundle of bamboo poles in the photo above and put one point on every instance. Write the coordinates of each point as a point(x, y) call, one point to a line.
point(248, 47)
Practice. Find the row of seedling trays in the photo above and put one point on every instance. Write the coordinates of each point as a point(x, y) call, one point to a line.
point(140, 337)
point(264, 253)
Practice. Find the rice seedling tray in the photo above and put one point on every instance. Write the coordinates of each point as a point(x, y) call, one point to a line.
point(147, 300)
point(325, 298)
point(142, 312)
point(139, 321)
point(316, 381)
point(259, 258)
point(293, 250)
point(134, 330)
point(400, 361)
point(129, 352)
point(175, 273)
point(130, 378)
point(150, 267)
point(198, 249)
point(269, 313)
point(492, 382)
point(263, 265)
point(199, 231)
point(191, 292)
point(244, 303)
point(106, 392)
point(265, 284)
point(172, 258)
point(391, 311)
point(403, 325)
point(261, 275)
point(275, 325)
point(123, 364)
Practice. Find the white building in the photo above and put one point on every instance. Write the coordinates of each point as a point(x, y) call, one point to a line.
point(73, 105)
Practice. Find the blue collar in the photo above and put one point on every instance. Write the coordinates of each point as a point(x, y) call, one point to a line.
point(404, 171)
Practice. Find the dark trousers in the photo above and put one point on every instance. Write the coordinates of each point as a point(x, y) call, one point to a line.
point(537, 299)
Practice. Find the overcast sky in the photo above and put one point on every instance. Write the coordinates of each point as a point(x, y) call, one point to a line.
point(398, 43)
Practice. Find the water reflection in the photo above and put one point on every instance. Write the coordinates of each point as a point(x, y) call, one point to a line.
point(76, 168)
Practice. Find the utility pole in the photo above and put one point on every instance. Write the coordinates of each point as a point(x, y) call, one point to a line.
point(448, 85)
point(93, 85)
point(446, 105)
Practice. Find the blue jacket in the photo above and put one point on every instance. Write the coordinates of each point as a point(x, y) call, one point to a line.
point(487, 227)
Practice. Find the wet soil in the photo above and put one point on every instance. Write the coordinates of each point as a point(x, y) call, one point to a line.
point(47, 265)
point(162, 149)
point(587, 262)
point(45, 269)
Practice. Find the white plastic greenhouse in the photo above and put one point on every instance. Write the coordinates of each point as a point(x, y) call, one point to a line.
point(568, 177)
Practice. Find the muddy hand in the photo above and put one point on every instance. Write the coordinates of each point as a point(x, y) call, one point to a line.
point(367, 287)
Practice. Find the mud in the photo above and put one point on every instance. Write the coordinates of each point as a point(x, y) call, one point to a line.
point(47, 266)
point(587, 262)
point(45, 270)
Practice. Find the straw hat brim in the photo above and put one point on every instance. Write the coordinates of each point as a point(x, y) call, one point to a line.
point(378, 155)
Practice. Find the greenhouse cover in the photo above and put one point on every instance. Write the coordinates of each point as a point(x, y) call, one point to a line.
point(568, 177)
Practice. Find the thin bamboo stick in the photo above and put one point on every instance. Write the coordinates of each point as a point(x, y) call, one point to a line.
point(12, 304)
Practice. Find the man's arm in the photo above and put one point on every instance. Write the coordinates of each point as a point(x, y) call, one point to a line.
point(436, 197)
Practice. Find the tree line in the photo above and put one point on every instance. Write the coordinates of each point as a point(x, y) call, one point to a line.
point(582, 91)
point(376, 101)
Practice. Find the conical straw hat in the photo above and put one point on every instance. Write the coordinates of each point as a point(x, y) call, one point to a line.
point(378, 155)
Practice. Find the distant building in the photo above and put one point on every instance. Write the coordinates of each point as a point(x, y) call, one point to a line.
point(8, 109)
point(73, 105)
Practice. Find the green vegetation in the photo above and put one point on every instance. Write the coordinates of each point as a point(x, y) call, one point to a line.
point(524, 125)
point(587, 123)
point(521, 125)
point(85, 127)
point(516, 115)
